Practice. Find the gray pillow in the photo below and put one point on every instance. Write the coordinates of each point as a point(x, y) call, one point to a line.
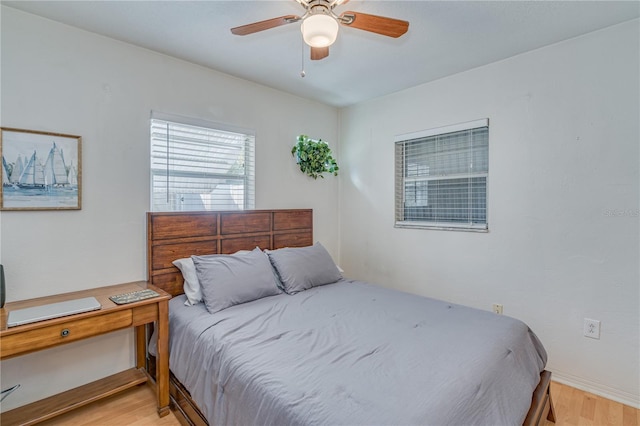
point(231, 280)
point(191, 286)
point(305, 267)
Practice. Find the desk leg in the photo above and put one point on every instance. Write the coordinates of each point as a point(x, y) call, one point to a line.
point(141, 346)
point(162, 360)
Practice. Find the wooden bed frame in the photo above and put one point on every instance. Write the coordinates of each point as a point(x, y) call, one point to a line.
point(171, 236)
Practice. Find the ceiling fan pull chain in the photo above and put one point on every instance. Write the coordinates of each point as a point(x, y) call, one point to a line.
point(302, 73)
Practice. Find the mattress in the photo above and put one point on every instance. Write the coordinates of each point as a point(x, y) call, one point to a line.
point(352, 353)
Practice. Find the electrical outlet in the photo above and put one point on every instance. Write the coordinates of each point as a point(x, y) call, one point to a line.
point(591, 328)
point(497, 308)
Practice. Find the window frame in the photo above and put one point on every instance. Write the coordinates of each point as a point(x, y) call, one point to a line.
point(400, 195)
point(248, 177)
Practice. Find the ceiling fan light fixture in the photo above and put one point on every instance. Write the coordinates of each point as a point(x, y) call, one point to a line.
point(319, 30)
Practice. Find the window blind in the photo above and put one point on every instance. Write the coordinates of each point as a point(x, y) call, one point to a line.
point(201, 168)
point(441, 177)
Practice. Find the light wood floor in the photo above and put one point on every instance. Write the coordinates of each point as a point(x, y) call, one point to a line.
point(137, 407)
point(578, 408)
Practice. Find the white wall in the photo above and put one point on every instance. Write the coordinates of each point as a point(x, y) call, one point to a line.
point(61, 79)
point(564, 162)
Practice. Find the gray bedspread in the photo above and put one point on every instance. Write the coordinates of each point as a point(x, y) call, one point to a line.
point(353, 353)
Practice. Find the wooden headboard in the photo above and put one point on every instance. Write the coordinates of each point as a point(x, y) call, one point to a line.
point(172, 236)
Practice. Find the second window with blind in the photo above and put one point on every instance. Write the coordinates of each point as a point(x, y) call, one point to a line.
point(197, 165)
point(441, 177)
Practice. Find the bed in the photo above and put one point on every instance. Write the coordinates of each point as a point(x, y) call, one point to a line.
point(341, 352)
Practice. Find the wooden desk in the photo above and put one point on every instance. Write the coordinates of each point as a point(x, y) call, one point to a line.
point(24, 339)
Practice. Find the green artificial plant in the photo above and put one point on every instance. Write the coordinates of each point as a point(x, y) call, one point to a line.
point(314, 157)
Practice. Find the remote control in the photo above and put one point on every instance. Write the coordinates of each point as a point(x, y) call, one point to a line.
point(134, 296)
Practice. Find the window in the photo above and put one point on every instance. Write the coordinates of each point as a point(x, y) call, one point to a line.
point(441, 177)
point(198, 166)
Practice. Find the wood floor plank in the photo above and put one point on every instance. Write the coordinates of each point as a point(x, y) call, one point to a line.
point(601, 413)
point(567, 408)
point(630, 416)
point(615, 413)
point(587, 411)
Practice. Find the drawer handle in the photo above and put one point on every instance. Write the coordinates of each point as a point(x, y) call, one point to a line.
point(65, 332)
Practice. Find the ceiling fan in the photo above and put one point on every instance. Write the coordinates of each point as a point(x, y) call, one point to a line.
point(320, 25)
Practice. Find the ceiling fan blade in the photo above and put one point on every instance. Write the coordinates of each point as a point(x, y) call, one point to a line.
point(318, 53)
point(264, 25)
point(338, 2)
point(376, 24)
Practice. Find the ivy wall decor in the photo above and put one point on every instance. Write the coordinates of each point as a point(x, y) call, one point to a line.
point(314, 157)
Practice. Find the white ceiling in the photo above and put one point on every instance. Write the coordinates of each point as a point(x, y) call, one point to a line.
point(444, 38)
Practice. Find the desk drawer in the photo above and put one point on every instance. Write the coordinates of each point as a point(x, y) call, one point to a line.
point(69, 331)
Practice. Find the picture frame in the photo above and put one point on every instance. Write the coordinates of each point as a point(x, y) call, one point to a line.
point(40, 170)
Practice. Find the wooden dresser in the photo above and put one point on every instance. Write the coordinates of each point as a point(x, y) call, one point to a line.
point(24, 339)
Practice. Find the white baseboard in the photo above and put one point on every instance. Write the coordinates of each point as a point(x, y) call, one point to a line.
point(605, 391)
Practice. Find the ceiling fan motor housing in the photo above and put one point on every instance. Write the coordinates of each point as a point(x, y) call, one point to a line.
point(319, 25)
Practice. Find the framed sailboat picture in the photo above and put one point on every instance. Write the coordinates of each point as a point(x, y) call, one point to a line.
point(40, 170)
